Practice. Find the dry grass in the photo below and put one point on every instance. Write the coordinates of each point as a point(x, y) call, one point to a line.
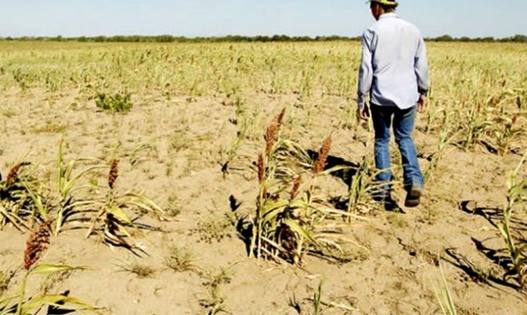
point(180, 260)
point(141, 271)
point(213, 228)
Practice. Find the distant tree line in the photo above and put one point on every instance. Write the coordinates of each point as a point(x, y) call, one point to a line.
point(181, 39)
point(238, 38)
point(447, 38)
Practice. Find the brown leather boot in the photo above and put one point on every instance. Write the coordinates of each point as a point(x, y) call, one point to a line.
point(413, 198)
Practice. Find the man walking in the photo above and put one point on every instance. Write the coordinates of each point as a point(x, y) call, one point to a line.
point(394, 74)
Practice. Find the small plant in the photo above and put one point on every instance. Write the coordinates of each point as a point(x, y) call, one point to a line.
point(516, 198)
point(244, 121)
point(112, 218)
point(68, 186)
point(361, 188)
point(140, 270)
point(504, 132)
point(214, 301)
point(117, 103)
point(180, 260)
point(17, 206)
point(446, 137)
point(173, 208)
point(317, 300)
point(475, 127)
point(444, 297)
point(213, 228)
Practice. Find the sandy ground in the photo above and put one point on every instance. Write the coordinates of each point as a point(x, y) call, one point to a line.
point(183, 143)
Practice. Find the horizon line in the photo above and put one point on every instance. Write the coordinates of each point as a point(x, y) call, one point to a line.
point(238, 36)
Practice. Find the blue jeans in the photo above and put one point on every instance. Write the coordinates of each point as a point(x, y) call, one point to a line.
point(403, 126)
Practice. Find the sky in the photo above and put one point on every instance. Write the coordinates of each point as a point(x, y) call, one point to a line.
point(473, 18)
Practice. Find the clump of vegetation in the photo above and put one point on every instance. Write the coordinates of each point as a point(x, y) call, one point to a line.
point(112, 218)
point(213, 228)
point(25, 200)
point(17, 207)
point(173, 208)
point(180, 260)
point(290, 220)
point(361, 189)
point(214, 301)
point(118, 103)
point(140, 270)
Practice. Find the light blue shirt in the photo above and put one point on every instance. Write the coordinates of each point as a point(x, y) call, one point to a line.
point(394, 66)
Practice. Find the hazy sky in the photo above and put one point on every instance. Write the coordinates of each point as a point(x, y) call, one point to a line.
point(498, 18)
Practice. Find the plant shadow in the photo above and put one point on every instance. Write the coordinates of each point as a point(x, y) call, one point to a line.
point(346, 175)
point(493, 215)
point(59, 309)
point(504, 274)
point(475, 273)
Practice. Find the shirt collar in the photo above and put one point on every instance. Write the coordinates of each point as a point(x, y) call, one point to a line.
point(389, 15)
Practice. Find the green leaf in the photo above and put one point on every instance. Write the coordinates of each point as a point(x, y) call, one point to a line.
point(335, 169)
point(119, 214)
point(47, 269)
point(4, 302)
point(295, 227)
point(270, 205)
point(143, 202)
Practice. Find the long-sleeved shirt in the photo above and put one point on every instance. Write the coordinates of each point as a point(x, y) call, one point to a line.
point(394, 66)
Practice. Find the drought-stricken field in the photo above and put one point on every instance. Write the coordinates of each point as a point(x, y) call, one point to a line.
point(164, 180)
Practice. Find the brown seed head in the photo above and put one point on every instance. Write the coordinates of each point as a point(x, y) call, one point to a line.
point(271, 133)
point(36, 244)
point(323, 154)
point(270, 136)
point(280, 117)
point(296, 187)
point(261, 169)
point(13, 173)
point(114, 173)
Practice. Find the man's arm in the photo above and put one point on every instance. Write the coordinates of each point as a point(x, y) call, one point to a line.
point(421, 72)
point(365, 75)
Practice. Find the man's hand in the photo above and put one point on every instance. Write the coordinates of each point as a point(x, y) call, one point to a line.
point(421, 104)
point(363, 113)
